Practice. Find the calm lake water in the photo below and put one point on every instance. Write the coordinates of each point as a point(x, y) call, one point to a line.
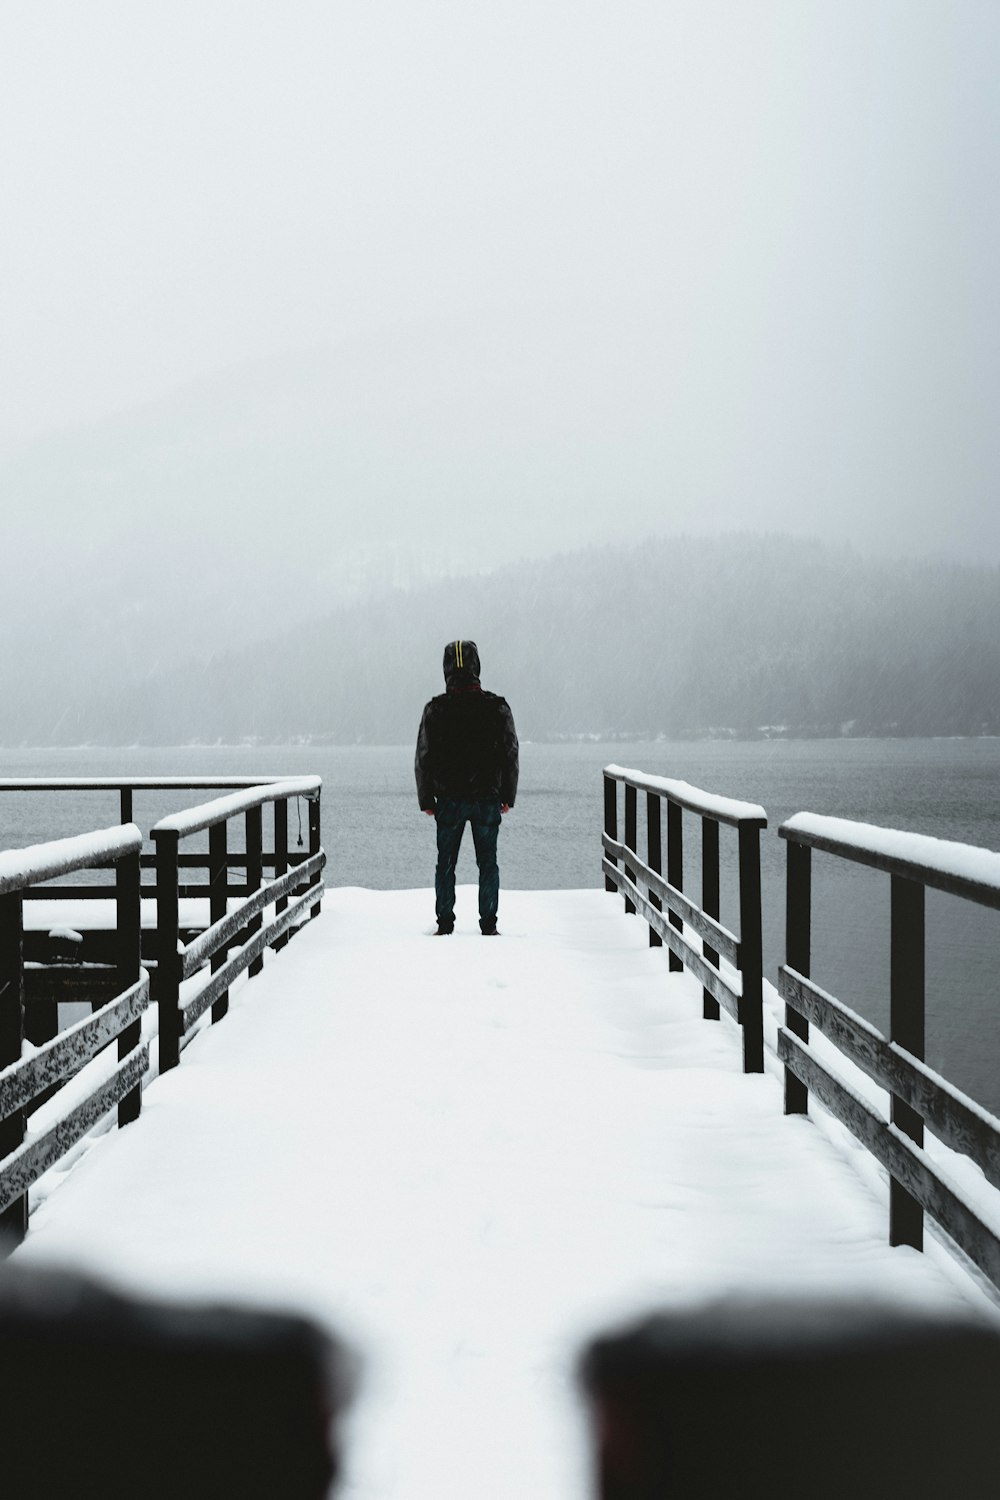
point(375, 836)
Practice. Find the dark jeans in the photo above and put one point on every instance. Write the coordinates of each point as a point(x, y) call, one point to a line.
point(452, 817)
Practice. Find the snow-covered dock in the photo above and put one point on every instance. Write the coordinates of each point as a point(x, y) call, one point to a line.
point(468, 1156)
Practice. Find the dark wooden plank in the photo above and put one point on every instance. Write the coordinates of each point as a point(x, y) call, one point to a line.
point(906, 1005)
point(218, 901)
point(631, 835)
point(751, 950)
point(168, 960)
point(610, 821)
point(688, 911)
point(198, 1003)
point(24, 1167)
point(72, 892)
point(279, 862)
point(654, 855)
point(687, 954)
point(58, 1060)
point(798, 941)
point(128, 937)
point(255, 872)
point(14, 1213)
point(201, 948)
point(675, 867)
point(315, 845)
point(905, 1161)
point(710, 904)
point(956, 1119)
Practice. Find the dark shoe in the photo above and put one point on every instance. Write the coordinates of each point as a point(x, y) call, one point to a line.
point(491, 930)
point(445, 929)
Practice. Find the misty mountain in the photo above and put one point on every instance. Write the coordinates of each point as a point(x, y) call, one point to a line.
point(743, 635)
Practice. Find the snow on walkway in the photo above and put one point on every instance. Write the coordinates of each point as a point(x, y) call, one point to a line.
point(467, 1155)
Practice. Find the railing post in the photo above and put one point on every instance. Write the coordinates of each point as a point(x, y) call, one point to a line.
point(128, 935)
point(315, 844)
point(654, 856)
point(709, 903)
point(168, 966)
point(610, 823)
point(675, 869)
point(906, 1029)
point(218, 900)
point(125, 803)
point(14, 1219)
point(751, 952)
point(798, 919)
point(255, 873)
point(280, 859)
point(631, 835)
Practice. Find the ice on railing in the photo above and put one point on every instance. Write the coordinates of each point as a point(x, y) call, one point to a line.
point(38, 862)
point(964, 862)
point(727, 808)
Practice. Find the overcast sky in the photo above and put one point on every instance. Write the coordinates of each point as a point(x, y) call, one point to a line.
point(773, 227)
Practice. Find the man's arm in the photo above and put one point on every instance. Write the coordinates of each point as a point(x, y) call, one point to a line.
point(508, 757)
point(422, 764)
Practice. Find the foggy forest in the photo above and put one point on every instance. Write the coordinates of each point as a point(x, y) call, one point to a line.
point(742, 636)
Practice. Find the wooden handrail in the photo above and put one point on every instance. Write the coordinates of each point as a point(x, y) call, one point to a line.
point(197, 819)
point(939, 864)
point(174, 961)
point(706, 804)
point(24, 1080)
point(649, 890)
point(914, 863)
point(20, 868)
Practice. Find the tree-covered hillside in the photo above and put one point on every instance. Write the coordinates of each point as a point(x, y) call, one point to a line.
point(675, 637)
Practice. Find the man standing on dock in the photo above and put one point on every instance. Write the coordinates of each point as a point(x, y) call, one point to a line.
point(466, 767)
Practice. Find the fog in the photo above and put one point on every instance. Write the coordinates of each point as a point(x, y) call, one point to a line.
point(440, 286)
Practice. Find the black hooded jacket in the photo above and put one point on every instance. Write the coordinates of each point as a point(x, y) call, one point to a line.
point(467, 744)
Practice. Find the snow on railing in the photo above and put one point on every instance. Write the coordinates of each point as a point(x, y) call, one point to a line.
point(197, 819)
point(961, 869)
point(708, 804)
point(293, 896)
point(644, 888)
point(26, 1082)
point(21, 868)
point(895, 1062)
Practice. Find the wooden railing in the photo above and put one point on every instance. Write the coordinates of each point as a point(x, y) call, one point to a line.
point(647, 891)
point(124, 789)
point(28, 1082)
point(243, 928)
point(895, 1062)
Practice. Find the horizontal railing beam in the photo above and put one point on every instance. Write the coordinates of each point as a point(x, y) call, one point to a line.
point(956, 1119)
point(201, 948)
point(720, 938)
point(196, 819)
point(130, 783)
point(941, 864)
point(25, 1165)
point(906, 1162)
point(21, 868)
point(224, 976)
point(708, 977)
point(72, 1049)
point(722, 809)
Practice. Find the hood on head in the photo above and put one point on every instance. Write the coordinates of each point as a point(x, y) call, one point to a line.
point(461, 664)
